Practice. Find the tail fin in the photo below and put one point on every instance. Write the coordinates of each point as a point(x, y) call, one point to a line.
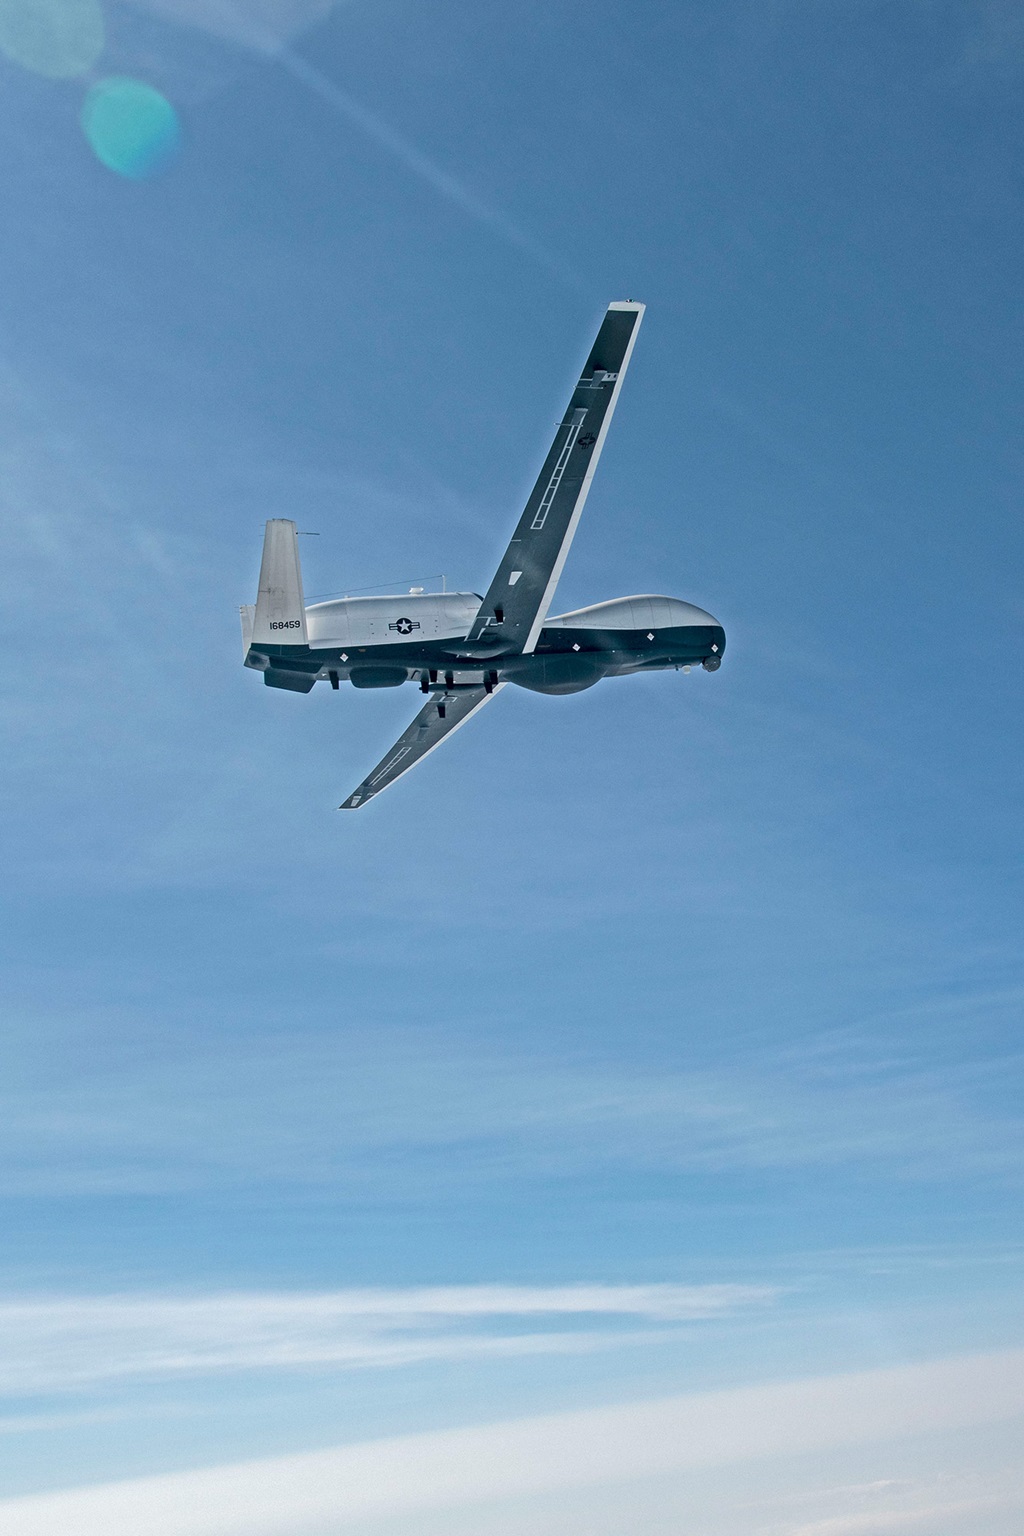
point(280, 617)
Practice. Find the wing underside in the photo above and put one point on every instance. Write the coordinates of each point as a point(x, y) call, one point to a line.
point(517, 601)
point(435, 723)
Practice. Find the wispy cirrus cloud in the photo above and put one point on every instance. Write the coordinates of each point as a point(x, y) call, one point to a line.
point(343, 1111)
point(56, 1343)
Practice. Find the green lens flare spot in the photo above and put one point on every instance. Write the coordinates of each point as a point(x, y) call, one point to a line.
point(132, 129)
point(55, 38)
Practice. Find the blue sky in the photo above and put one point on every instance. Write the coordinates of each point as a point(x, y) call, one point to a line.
point(656, 1042)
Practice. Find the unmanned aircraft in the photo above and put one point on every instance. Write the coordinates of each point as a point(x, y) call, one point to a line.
point(462, 649)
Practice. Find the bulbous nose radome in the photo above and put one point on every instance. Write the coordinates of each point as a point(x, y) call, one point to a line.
point(712, 662)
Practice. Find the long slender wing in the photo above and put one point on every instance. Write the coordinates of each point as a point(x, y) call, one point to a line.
point(519, 597)
point(427, 731)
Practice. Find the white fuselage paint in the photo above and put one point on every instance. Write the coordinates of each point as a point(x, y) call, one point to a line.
point(625, 613)
point(363, 621)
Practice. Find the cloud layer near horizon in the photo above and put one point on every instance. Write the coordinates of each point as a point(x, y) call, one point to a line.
point(342, 1488)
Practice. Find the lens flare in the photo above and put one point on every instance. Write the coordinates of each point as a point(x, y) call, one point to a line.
point(55, 38)
point(132, 129)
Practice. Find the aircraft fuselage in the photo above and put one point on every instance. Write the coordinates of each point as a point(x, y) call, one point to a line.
point(382, 642)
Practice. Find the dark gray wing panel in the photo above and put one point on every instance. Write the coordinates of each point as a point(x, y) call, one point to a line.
point(427, 731)
point(518, 598)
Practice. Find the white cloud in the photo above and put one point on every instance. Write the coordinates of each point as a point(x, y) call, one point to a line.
point(63, 1342)
point(921, 1518)
point(650, 1444)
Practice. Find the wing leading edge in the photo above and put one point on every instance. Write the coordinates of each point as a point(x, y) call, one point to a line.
point(426, 732)
point(518, 599)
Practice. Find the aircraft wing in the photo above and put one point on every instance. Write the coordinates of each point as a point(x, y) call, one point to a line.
point(427, 731)
point(519, 597)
